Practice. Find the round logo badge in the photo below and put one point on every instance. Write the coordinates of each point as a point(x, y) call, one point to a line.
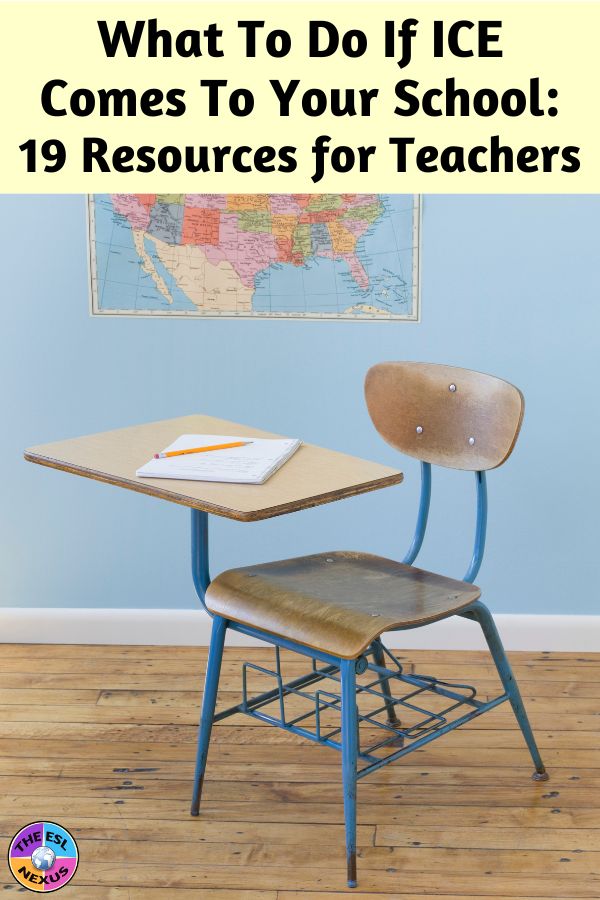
point(43, 856)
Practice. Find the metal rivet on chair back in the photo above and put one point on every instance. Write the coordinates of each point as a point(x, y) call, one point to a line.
point(445, 415)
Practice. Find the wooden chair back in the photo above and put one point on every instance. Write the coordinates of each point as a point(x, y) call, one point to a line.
point(445, 415)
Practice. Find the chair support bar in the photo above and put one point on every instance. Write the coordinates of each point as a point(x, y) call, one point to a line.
point(422, 515)
point(480, 528)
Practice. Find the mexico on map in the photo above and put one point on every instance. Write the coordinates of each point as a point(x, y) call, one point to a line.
point(351, 256)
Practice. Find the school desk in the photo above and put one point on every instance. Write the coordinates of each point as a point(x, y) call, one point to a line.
point(333, 607)
point(312, 476)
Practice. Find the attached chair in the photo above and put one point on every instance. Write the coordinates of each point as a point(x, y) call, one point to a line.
point(334, 607)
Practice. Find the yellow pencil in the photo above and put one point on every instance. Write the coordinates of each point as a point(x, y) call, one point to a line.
point(201, 449)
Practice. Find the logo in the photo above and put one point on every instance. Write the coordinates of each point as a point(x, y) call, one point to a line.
point(43, 856)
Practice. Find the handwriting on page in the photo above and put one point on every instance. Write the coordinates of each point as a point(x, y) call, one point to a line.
point(241, 465)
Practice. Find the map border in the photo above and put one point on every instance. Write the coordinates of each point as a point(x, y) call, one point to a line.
point(415, 316)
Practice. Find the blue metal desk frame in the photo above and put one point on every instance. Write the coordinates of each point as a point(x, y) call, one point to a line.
point(348, 669)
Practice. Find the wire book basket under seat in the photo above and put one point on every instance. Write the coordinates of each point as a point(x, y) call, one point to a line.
point(424, 707)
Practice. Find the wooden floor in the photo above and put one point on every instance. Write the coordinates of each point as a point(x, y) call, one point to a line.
point(101, 740)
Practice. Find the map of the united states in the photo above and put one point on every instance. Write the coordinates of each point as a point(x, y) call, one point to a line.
point(346, 255)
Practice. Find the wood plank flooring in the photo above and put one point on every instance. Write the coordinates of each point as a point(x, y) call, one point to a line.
point(101, 739)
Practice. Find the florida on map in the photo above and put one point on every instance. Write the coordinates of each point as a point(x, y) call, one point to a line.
point(250, 255)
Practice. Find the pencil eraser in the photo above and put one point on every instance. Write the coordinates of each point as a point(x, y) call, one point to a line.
point(156, 456)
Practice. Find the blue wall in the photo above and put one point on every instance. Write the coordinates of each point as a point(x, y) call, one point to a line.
point(509, 285)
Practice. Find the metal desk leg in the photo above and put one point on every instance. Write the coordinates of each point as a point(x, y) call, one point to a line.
point(211, 685)
point(349, 754)
point(481, 614)
point(379, 657)
point(200, 553)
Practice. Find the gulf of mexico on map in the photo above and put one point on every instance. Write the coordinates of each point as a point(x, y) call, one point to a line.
point(349, 256)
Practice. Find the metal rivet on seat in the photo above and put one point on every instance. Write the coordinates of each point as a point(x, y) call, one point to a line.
point(452, 388)
point(471, 441)
point(419, 429)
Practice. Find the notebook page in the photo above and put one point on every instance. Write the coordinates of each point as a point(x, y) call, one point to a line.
point(251, 464)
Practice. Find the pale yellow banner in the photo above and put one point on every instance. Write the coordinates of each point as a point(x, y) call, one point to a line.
point(381, 113)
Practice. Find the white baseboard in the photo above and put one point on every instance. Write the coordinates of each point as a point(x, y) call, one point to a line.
point(192, 627)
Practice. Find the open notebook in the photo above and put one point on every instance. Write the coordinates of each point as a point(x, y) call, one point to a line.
point(251, 464)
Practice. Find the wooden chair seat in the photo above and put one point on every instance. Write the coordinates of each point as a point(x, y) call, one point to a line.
point(336, 602)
